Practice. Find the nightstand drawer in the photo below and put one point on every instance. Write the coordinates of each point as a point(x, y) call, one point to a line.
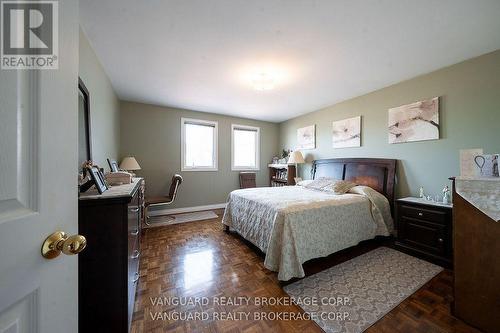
point(426, 214)
point(429, 237)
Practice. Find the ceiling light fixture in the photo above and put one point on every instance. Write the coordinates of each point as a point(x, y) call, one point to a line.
point(263, 81)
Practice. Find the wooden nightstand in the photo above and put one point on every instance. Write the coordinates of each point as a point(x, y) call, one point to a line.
point(424, 229)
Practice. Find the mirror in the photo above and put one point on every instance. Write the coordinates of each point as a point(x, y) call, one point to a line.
point(84, 140)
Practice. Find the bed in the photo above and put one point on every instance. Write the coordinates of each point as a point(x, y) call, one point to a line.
point(293, 224)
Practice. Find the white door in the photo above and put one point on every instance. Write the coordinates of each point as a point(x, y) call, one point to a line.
point(38, 195)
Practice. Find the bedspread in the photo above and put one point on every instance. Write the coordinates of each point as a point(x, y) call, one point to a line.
point(292, 224)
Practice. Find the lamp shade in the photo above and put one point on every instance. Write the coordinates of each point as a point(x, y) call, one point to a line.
point(129, 163)
point(296, 157)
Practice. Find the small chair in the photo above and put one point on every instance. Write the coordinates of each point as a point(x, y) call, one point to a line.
point(162, 201)
point(247, 180)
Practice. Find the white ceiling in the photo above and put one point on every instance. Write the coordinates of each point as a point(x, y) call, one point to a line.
point(198, 54)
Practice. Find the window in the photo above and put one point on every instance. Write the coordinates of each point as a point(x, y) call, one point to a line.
point(199, 145)
point(245, 145)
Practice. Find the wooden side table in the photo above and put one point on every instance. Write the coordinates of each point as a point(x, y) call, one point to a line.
point(424, 229)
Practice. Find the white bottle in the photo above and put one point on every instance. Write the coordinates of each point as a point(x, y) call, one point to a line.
point(421, 192)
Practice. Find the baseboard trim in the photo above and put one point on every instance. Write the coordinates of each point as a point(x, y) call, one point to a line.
point(185, 209)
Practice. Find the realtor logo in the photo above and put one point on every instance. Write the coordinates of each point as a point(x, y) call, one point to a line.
point(29, 34)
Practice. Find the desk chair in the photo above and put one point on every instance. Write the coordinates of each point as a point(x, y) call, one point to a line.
point(247, 180)
point(163, 201)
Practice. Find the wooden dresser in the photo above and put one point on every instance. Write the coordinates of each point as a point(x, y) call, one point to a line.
point(476, 236)
point(108, 269)
point(425, 229)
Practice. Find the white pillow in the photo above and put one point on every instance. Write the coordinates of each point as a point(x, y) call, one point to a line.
point(339, 187)
point(320, 183)
point(304, 182)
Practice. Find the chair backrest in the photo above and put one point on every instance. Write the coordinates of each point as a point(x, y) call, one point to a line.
point(247, 180)
point(174, 186)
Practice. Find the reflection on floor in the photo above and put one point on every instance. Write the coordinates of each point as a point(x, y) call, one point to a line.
point(198, 259)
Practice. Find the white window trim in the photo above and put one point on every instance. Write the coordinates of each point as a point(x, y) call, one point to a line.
point(257, 150)
point(183, 144)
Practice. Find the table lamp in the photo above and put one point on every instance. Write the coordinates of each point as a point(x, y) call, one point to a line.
point(296, 158)
point(129, 163)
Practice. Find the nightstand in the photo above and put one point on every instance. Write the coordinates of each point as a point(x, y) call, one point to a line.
point(424, 229)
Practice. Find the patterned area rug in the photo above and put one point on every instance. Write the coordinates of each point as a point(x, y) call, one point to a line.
point(163, 220)
point(353, 295)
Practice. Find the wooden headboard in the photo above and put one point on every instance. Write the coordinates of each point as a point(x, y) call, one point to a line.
point(378, 173)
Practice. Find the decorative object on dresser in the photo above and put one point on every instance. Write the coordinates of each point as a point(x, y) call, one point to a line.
point(424, 228)
point(417, 121)
point(247, 180)
point(476, 234)
point(468, 167)
point(108, 270)
point(285, 153)
point(129, 163)
point(281, 174)
point(119, 178)
point(488, 165)
point(96, 179)
point(113, 165)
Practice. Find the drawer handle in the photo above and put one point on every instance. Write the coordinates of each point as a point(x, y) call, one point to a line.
point(440, 240)
point(135, 232)
point(135, 255)
point(136, 277)
point(420, 214)
point(134, 210)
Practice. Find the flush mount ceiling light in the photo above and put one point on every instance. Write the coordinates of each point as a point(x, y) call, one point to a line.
point(263, 81)
point(266, 75)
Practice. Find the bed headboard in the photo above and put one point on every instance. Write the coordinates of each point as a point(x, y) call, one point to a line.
point(378, 173)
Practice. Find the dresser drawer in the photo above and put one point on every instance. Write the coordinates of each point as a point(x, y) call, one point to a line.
point(425, 214)
point(133, 216)
point(133, 227)
point(429, 237)
point(133, 239)
point(133, 280)
point(133, 263)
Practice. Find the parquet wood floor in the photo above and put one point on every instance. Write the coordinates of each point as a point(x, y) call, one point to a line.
point(198, 259)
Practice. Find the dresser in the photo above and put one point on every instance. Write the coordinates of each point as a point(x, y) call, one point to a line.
point(424, 229)
point(108, 269)
point(476, 236)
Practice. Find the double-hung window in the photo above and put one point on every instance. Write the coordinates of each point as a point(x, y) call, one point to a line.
point(245, 147)
point(199, 145)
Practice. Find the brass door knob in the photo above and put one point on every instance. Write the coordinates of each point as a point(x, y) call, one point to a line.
point(60, 242)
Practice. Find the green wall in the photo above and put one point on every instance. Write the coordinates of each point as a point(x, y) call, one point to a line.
point(469, 118)
point(104, 105)
point(153, 135)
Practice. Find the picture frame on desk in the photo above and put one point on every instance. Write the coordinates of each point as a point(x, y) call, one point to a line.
point(97, 178)
point(113, 165)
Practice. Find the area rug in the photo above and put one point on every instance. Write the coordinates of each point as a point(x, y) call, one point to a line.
point(353, 295)
point(161, 220)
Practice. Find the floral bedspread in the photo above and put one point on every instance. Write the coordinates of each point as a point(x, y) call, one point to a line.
point(292, 224)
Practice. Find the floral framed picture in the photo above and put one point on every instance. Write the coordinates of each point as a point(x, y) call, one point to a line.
point(346, 133)
point(417, 121)
point(306, 137)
